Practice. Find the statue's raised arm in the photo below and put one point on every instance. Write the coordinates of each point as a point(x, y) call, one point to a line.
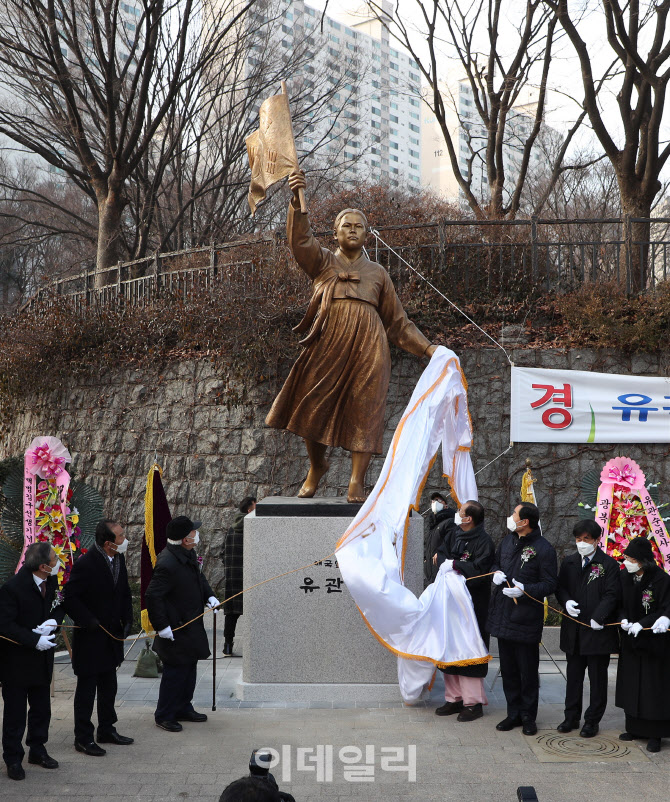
point(335, 394)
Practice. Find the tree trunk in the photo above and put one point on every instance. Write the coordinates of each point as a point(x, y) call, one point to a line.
point(636, 234)
point(110, 209)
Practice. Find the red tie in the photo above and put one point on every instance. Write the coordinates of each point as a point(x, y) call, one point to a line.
point(43, 589)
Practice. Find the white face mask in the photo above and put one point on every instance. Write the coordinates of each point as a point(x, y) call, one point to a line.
point(54, 571)
point(631, 567)
point(196, 538)
point(457, 519)
point(121, 549)
point(511, 524)
point(585, 548)
point(436, 506)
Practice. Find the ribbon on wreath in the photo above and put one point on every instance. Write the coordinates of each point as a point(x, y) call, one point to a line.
point(627, 475)
point(45, 459)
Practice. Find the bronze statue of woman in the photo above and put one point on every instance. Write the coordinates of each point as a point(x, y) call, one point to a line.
point(335, 394)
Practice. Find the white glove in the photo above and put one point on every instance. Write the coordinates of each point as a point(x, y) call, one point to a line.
point(166, 633)
point(46, 628)
point(595, 625)
point(571, 608)
point(499, 578)
point(212, 602)
point(45, 642)
point(635, 629)
point(447, 565)
point(518, 584)
point(512, 593)
point(661, 625)
point(625, 624)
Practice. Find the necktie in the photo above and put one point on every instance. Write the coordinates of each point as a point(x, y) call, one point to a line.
point(587, 560)
point(43, 589)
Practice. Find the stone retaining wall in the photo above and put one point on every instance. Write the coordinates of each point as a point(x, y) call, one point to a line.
point(213, 456)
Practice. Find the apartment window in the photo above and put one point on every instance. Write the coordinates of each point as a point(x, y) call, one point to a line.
point(393, 118)
point(335, 25)
point(333, 52)
point(394, 145)
point(393, 131)
point(376, 57)
point(414, 154)
point(414, 128)
point(348, 155)
point(334, 38)
point(375, 151)
point(288, 14)
point(351, 47)
point(414, 178)
point(394, 106)
point(414, 77)
point(393, 79)
point(310, 11)
point(394, 53)
point(394, 158)
point(393, 65)
point(413, 140)
point(286, 29)
point(414, 116)
point(376, 84)
point(395, 170)
point(375, 124)
point(413, 166)
point(413, 101)
point(376, 111)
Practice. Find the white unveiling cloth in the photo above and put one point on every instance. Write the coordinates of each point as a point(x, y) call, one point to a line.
point(439, 628)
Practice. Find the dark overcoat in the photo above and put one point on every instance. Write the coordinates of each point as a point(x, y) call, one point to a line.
point(642, 688)
point(473, 553)
point(231, 555)
point(92, 598)
point(176, 594)
point(522, 622)
point(597, 591)
point(22, 608)
point(436, 525)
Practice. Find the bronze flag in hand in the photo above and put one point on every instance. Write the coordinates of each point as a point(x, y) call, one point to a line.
point(271, 149)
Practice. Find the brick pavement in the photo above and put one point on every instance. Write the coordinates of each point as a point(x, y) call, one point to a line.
point(455, 761)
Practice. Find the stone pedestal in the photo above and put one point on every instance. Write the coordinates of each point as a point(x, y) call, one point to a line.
point(306, 640)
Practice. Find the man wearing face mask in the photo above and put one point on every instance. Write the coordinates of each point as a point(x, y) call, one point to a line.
point(29, 616)
point(97, 596)
point(589, 590)
point(439, 519)
point(177, 594)
point(642, 673)
point(525, 563)
point(468, 549)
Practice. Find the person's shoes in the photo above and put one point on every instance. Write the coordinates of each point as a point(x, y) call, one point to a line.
point(529, 728)
point(626, 736)
point(449, 708)
point(589, 730)
point(90, 748)
point(192, 716)
point(113, 737)
point(15, 771)
point(43, 760)
point(567, 726)
point(654, 745)
point(471, 712)
point(508, 724)
point(170, 726)
point(228, 648)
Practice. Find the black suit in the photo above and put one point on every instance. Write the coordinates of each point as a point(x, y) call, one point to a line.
point(24, 671)
point(92, 598)
point(596, 590)
point(177, 594)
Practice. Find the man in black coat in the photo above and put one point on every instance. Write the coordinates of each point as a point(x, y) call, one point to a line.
point(177, 594)
point(524, 561)
point(469, 549)
point(233, 568)
point(29, 615)
point(97, 596)
point(439, 518)
point(589, 590)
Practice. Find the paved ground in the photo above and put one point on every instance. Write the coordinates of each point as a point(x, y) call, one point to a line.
point(465, 762)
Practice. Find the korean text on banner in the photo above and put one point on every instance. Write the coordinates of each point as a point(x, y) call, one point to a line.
point(577, 406)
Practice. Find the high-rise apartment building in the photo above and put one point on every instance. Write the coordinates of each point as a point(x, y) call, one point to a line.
point(376, 117)
point(469, 137)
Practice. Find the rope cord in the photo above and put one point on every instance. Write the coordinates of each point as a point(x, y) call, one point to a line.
point(511, 445)
point(375, 233)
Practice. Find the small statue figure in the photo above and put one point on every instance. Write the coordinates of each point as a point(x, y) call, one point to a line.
point(335, 394)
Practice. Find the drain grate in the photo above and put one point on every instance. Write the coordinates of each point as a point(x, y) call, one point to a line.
point(550, 746)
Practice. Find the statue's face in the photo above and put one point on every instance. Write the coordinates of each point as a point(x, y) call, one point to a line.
point(351, 232)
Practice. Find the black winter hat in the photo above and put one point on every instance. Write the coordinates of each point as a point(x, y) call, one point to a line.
point(181, 527)
point(639, 548)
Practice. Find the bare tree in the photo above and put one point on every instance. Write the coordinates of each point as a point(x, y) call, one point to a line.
point(90, 90)
point(637, 33)
point(505, 125)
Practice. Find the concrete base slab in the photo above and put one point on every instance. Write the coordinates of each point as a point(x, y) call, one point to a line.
point(364, 693)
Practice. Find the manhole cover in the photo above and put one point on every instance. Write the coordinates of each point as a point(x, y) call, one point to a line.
point(550, 746)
